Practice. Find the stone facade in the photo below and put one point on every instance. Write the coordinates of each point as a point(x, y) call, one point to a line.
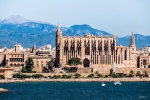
point(94, 52)
point(40, 62)
point(143, 60)
point(16, 59)
point(7, 72)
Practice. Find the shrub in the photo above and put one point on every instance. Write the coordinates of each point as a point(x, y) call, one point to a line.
point(125, 75)
point(22, 76)
point(113, 75)
point(91, 76)
point(99, 75)
point(37, 76)
point(50, 76)
point(69, 76)
point(106, 76)
point(2, 77)
point(64, 76)
point(138, 73)
point(145, 74)
point(77, 75)
point(130, 75)
point(56, 76)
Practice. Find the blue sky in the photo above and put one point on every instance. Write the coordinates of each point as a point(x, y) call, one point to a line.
point(120, 17)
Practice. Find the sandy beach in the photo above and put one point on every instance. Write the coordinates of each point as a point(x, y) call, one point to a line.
point(78, 80)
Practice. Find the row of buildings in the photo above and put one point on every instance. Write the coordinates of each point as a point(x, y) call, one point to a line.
point(95, 52)
point(14, 59)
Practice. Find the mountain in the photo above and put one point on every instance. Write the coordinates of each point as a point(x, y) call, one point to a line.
point(17, 29)
point(81, 30)
point(27, 34)
point(15, 19)
point(140, 40)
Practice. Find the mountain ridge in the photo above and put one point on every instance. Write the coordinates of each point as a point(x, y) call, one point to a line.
point(29, 33)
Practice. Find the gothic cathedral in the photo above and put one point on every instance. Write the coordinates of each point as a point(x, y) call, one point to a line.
point(94, 51)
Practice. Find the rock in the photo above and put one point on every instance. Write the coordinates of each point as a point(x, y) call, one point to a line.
point(3, 90)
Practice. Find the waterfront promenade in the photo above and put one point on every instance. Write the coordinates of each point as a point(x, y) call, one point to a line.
point(77, 80)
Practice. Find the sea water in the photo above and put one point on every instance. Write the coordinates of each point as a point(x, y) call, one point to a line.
point(76, 91)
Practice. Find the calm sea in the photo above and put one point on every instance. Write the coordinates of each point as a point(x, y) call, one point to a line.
point(76, 91)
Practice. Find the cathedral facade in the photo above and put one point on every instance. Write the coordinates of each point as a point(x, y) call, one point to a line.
point(95, 52)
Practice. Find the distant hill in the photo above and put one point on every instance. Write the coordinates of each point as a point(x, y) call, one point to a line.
point(17, 29)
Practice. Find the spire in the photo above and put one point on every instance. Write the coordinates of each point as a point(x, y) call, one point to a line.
point(58, 31)
point(58, 28)
point(132, 40)
point(34, 47)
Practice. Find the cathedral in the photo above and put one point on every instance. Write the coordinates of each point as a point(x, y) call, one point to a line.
point(95, 52)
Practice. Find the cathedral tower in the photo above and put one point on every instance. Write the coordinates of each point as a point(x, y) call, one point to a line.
point(132, 43)
point(58, 42)
point(58, 35)
point(132, 47)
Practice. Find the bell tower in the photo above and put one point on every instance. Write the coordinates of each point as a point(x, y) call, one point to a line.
point(132, 47)
point(58, 44)
point(58, 35)
point(132, 43)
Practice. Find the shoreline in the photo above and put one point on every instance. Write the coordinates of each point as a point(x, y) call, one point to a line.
point(78, 80)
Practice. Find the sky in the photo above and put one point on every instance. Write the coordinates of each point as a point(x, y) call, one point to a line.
point(120, 17)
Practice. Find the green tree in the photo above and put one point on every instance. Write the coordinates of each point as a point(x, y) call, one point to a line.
point(29, 65)
point(44, 69)
point(50, 65)
point(74, 61)
point(23, 70)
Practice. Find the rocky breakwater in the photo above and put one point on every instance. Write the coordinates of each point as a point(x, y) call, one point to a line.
point(3, 90)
